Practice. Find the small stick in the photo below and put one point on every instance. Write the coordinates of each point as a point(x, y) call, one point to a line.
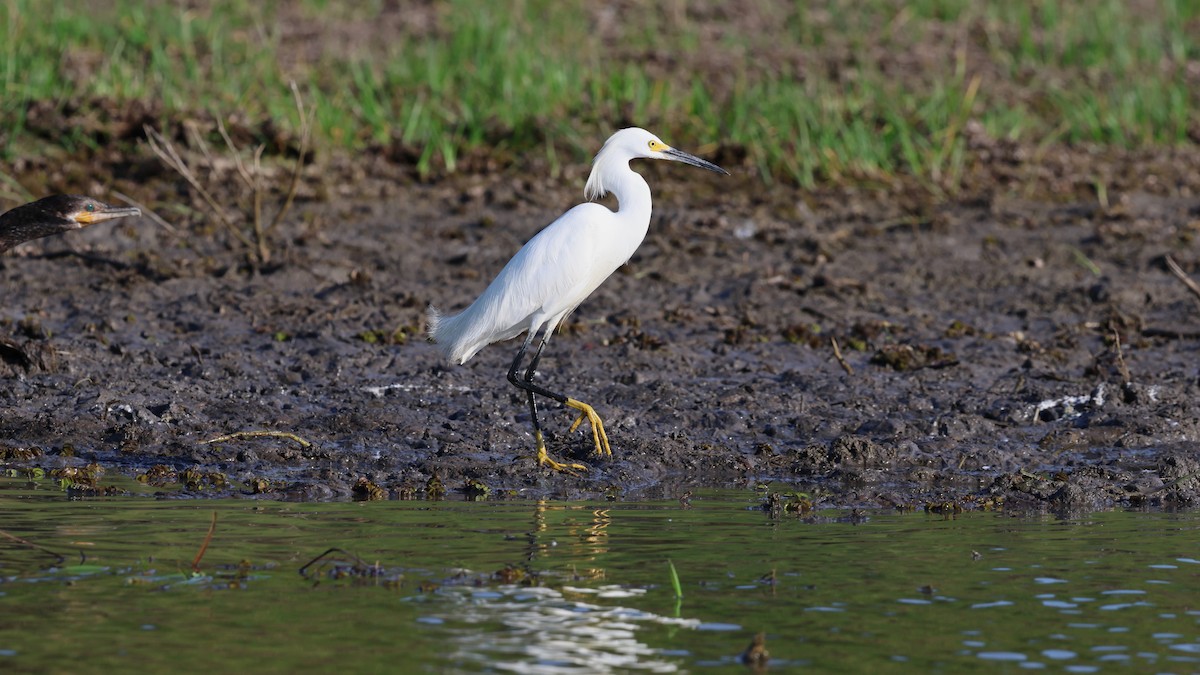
point(837, 354)
point(30, 544)
point(212, 527)
point(306, 119)
point(1172, 484)
point(1125, 376)
point(259, 434)
point(148, 212)
point(197, 140)
point(167, 152)
point(236, 153)
point(264, 252)
point(18, 192)
point(1179, 274)
point(253, 181)
point(357, 560)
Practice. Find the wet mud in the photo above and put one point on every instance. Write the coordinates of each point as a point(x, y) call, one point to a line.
point(869, 348)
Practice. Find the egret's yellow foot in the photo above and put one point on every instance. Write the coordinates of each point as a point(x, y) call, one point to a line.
point(543, 458)
point(598, 435)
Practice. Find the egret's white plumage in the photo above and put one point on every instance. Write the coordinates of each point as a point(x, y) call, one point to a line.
point(542, 283)
point(563, 264)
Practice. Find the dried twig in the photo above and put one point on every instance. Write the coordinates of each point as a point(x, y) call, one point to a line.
point(212, 527)
point(1173, 484)
point(837, 354)
point(306, 119)
point(256, 236)
point(360, 565)
point(264, 253)
point(196, 140)
point(30, 544)
point(237, 435)
point(252, 178)
point(1182, 276)
point(1173, 333)
point(1124, 369)
point(170, 156)
point(149, 213)
point(14, 190)
point(236, 154)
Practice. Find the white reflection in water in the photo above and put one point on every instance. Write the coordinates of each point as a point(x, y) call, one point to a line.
point(1187, 647)
point(544, 632)
point(1059, 604)
point(1001, 656)
point(988, 605)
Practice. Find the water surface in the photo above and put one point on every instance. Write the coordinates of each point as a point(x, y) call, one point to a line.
point(585, 587)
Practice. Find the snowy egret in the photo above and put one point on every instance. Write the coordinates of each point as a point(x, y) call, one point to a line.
point(53, 215)
point(559, 268)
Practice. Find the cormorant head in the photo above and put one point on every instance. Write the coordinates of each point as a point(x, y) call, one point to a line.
point(73, 212)
point(53, 215)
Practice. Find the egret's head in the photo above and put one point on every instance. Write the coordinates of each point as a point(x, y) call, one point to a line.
point(633, 143)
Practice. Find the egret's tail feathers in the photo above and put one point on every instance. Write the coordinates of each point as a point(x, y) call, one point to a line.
point(433, 316)
point(437, 330)
point(462, 336)
point(447, 332)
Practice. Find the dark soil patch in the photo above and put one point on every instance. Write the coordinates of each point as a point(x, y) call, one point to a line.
point(1000, 351)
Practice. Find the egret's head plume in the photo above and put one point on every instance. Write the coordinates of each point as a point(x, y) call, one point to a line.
point(629, 144)
point(621, 147)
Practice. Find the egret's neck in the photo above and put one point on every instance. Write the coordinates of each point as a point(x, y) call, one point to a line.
point(612, 175)
point(633, 195)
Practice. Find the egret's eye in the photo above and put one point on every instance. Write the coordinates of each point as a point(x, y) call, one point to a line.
point(656, 146)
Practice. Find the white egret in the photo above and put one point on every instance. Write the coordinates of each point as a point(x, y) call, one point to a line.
point(558, 269)
point(53, 215)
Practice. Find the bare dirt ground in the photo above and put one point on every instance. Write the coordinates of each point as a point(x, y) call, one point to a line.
point(996, 348)
point(1021, 342)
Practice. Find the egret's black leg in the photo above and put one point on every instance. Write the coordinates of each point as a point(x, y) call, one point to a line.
point(537, 355)
point(585, 411)
point(525, 383)
point(514, 378)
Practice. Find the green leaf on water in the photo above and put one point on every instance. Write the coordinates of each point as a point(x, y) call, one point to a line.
point(675, 579)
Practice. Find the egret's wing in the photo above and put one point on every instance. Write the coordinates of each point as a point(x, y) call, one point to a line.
point(553, 272)
point(549, 276)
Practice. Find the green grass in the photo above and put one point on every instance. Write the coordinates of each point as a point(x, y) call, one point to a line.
point(812, 91)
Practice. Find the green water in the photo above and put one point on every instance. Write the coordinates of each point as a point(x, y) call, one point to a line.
point(1114, 591)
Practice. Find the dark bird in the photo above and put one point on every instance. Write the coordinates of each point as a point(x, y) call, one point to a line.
point(756, 655)
point(54, 215)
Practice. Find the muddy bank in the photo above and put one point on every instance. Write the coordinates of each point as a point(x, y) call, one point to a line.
point(993, 349)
